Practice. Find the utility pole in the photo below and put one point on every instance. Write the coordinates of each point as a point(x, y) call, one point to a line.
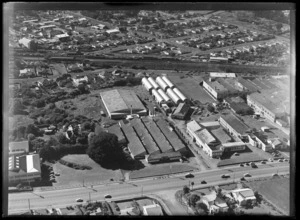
point(142, 192)
point(90, 197)
point(29, 204)
point(82, 182)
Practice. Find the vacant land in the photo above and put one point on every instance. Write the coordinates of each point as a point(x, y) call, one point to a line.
point(191, 89)
point(70, 176)
point(276, 190)
point(160, 170)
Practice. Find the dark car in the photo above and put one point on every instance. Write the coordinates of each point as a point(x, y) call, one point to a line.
point(243, 179)
point(225, 176)
point(241, 165)
point(203, 182)
point(189, 175)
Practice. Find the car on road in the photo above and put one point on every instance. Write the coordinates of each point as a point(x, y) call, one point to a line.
point(286, 160)
point(271, 160)
point(281, 160)
point(57, 174)
point(225, 176)
point(203, 182)
point(263, 162)
point(189, 175)
point(247, 175)
point(247, 164)
point(243, 179)
point(79, 200)
point(241, 165)
point(107, 196)
point(275, 174)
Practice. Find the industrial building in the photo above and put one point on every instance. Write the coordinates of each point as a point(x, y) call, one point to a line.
point(135, 146)
point(215, 89)
point(168, 82)
point(162, 83)
point(179, 94)
point(219, 74)
point(157, 96)
point(120, 103)
point(173, 96)
point(155, 132)
point(145, 137)
point(164, 157)
point(153, 83)
point(24, 168)
point(164, 95)
point(115, 129)
point(270, 105)
point(181, 111)
point(234, 125)
point(147, 84)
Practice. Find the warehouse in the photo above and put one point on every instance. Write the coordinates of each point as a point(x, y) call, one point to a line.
point(157, 96)
point(234, 125)
point(173, 96)
point(164, 95)
point(181, 111)
point(219, 74)
point(168, 82)
point(147, 84)
point(135, 146)
point(120, 103)
point(159, 138)
point(172, 137)
point(115, 129)
point(215, 89)
point(162, 83)
point(179, 94)
point(153, 83)
point(145, 137)
point(164, 157)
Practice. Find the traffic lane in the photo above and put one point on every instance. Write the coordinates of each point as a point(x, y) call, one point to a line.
point(60, 198)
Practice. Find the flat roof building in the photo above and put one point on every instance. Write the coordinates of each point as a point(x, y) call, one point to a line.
point(181, 111)
point(120, 103)
point(18, 147)
point(215, 89)
point(234, 125)
point(219, 74)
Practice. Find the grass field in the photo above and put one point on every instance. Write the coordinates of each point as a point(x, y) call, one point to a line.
point(70, 176)
point(191, 89)
point(276, 190)
point(160, 170)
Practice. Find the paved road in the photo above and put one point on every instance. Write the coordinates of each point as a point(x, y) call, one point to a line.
point(18, 202)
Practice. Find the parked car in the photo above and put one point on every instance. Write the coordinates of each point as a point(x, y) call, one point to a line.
point(280, 160)
point(241, 165)
point(79, 200)
point(263, 162)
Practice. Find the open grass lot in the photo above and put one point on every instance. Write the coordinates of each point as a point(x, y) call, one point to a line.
point(276, 190)
point(88, 105)
point(191, 89)
point(70, 176)
point(160, 170)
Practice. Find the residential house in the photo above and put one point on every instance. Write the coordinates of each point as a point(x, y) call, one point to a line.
point(242, 196)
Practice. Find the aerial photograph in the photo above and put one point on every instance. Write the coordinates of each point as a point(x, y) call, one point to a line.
point(144, 111)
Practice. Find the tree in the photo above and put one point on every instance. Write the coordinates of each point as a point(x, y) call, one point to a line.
point(86, 126)
point(201, 208)
point(61, 138)
point(21, 130)
point(104, 148)
point(36, 144)
point(30, 137)
point(279, 26)
point(48, 153)
point(193, 199)
point(186, 190)
point(32, 129)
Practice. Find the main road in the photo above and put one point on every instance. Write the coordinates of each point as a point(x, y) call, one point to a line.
point(19, 202)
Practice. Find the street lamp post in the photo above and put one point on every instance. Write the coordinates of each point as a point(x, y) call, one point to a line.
point(29, 204)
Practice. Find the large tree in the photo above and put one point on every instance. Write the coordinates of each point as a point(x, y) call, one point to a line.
point(193, 199)
point(104, 149)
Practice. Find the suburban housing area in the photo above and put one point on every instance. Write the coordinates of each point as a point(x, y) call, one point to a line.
point(140, 112)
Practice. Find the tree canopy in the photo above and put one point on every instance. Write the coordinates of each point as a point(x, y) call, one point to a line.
point(104, 149)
